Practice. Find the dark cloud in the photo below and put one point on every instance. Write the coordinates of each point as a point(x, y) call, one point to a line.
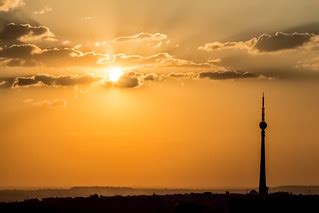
point(20, 51)
point(263, 43)
point(17, 18)
point(225, 75)
point(128, 80)
point(281, 41)
point(25, 33)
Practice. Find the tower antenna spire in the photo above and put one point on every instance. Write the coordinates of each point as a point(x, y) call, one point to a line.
point(263, 107)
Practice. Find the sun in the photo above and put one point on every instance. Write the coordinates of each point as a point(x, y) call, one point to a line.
point(115, 74)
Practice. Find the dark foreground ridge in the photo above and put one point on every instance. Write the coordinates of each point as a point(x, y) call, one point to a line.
point(205, 202)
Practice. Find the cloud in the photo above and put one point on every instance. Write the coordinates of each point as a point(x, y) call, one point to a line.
point(151, 77)
point(281, 41)
point(7, 5)
point(187, 75)
point(50, 80)
point(141, 37)
point(213, 75)
point(226, 75)
point(43, 11)
point(25, 33)
point(128, 80)
point(4, 84)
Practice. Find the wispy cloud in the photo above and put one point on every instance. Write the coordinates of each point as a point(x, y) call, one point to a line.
point(141, 37)
point(57, 103)
point(43, 11)
point(87, 18)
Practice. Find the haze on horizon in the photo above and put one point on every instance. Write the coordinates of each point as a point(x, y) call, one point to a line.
point(157, 93)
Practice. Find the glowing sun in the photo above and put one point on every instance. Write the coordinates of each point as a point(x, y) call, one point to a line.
point(115, 74)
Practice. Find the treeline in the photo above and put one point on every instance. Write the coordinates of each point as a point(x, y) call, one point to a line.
point(205, 202)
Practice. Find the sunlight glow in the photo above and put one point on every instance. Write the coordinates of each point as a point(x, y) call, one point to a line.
point(115, 74)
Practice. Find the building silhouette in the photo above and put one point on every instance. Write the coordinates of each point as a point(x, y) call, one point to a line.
point(263, 189)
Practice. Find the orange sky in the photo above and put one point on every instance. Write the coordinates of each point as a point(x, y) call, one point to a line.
point(116, 93)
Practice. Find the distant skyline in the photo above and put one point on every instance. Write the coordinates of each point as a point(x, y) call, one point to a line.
point(157, 93)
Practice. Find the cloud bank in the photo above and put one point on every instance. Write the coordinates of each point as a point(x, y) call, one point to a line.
point(127, 80)
point(280, 55)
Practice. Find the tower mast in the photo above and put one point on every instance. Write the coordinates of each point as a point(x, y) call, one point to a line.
point(263, 189)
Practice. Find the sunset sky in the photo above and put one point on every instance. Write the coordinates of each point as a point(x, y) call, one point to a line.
point(158, 93)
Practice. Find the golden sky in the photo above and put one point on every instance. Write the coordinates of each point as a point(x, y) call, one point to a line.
point(157, 93)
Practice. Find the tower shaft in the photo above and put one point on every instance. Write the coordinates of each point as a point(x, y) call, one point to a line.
point(263, 189)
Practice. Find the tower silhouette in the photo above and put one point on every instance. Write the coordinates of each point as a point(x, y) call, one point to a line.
point(263, 189)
